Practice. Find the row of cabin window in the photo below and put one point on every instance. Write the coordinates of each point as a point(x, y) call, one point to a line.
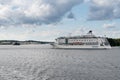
point(83, 40)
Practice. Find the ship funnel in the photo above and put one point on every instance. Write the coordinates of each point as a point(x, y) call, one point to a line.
point(90, 32)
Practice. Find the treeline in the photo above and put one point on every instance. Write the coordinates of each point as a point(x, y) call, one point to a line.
point(114, 42)
point(16, 42)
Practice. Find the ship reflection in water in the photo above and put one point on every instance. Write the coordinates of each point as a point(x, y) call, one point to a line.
point(40, 62)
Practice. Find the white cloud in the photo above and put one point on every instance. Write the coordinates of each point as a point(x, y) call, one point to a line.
point(110, 25)
point(34, 11)
point(104, 9)
point(112, 34)
point(29, 32)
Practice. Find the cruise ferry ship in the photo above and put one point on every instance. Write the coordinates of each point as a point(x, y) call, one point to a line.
point(88, 41)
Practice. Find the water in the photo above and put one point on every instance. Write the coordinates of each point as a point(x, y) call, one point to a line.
point(40, 62)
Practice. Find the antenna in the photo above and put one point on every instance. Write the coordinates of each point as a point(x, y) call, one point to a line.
point(69, 35)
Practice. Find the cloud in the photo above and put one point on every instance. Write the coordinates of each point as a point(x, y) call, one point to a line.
point(112, 34)
point(104, 9)
point(14, 12)
point(29, 32)
point(71, 16)
point(110, 25)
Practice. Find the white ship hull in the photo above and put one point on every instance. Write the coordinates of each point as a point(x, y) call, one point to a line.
point(57, 46)
point(88, 41)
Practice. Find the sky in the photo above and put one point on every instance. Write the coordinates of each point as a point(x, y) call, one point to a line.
point(45, 20)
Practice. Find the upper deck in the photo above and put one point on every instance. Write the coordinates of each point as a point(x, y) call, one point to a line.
point(88, 35)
